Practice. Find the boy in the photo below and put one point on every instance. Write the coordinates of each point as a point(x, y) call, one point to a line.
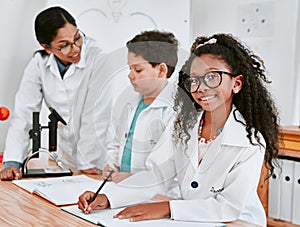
point(140, 119)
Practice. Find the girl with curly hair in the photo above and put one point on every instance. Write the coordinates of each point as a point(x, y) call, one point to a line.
point(227, 125)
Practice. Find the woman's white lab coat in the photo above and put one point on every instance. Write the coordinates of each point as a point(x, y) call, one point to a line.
point(150, 125)
point(42, 81)
point(222, 188)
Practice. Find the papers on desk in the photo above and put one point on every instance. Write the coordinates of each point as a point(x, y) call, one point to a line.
point(60, 190)
point(105, 218)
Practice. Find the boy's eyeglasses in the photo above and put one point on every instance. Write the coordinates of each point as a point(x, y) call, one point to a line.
point(211, 79)
point(67, 48)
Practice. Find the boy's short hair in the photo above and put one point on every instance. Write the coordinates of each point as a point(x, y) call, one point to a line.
point(156, 47)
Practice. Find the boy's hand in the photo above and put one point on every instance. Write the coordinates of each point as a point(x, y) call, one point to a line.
point(119, 176)
point(147, 211)
point(106, 171)
point(92, 171)
point(101, 202)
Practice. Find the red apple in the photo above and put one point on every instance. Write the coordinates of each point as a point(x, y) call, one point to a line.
point(4, 113)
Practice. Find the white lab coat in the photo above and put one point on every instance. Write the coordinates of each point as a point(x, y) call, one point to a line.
point(42, 81)
point(150, 125)
point(227, 178)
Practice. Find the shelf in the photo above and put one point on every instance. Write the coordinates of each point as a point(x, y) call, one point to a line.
point(289, 148)
point(278, 223)
point(291, 140)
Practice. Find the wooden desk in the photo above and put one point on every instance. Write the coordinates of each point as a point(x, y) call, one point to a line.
point(20, 208)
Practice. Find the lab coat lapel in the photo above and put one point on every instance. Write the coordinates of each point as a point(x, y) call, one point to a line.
point(132, 104)
point(51, 63)
point(233, 135)
point(211, 155)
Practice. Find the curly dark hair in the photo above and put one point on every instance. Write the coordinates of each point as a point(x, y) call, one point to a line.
point(254, 101)
point(156, 47)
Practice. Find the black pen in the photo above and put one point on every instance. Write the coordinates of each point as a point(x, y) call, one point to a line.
point(101, 186)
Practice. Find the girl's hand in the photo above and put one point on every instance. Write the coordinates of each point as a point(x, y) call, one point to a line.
point(101, 202)
point(147, 211)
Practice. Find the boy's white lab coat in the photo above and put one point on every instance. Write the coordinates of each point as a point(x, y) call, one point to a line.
point(42, 81)
point(150, 125)
point(222, 188)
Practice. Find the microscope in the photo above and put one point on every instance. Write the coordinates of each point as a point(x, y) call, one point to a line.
point(35, 135)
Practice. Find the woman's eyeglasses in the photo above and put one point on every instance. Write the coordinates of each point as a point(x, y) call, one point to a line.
point(211, 79)
point(67, 48)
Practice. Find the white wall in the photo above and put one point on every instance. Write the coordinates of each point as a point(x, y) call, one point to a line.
point(111, 22)
point(277, 46)
point(274, 41)
point(17, 47)
point(114, 22)
point(296, 85)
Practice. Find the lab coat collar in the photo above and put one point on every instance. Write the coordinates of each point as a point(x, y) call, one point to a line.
point(233, 134)
point(164, 99)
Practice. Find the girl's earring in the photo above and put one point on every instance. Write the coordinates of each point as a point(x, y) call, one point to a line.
point(235, 91)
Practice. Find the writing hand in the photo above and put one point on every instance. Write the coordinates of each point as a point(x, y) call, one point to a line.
point(10, 173)
point(146, 211)
point(101, 202)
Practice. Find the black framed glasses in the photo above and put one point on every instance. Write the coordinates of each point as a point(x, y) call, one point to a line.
point(67, 48)
point(211, 79)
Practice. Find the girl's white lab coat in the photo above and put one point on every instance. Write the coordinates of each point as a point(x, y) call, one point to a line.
point(150, 125)
point(42, 81)
point(222, 188)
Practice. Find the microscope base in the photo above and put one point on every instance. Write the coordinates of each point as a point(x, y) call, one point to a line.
point(48, 172)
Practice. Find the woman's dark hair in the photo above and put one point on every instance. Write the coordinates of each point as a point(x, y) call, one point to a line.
point(156, 47)
point(253, 101)
point(48, 22)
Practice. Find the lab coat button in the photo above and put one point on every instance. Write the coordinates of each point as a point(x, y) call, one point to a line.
point(194, 184)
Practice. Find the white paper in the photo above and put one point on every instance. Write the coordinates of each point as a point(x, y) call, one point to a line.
point(105, 218)
point(60, 190)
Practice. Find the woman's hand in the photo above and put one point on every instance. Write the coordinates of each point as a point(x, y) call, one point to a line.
point(10, 173)
point(156, 210)
point(101, 202)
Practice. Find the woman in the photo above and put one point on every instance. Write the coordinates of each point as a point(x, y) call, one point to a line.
point(59, 75)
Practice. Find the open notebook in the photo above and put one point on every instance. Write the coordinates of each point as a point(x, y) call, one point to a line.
point(60, 190)
point(105, 218)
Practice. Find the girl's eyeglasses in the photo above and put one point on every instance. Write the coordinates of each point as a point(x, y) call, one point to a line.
point(211, 79)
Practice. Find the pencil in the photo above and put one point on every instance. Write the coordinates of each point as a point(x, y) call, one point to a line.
point(101, 186)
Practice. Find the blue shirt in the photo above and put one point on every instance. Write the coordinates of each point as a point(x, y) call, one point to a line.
point(126, 157)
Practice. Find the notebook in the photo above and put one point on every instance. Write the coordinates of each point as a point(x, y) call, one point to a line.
point(105, 218)
point(60, 190)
